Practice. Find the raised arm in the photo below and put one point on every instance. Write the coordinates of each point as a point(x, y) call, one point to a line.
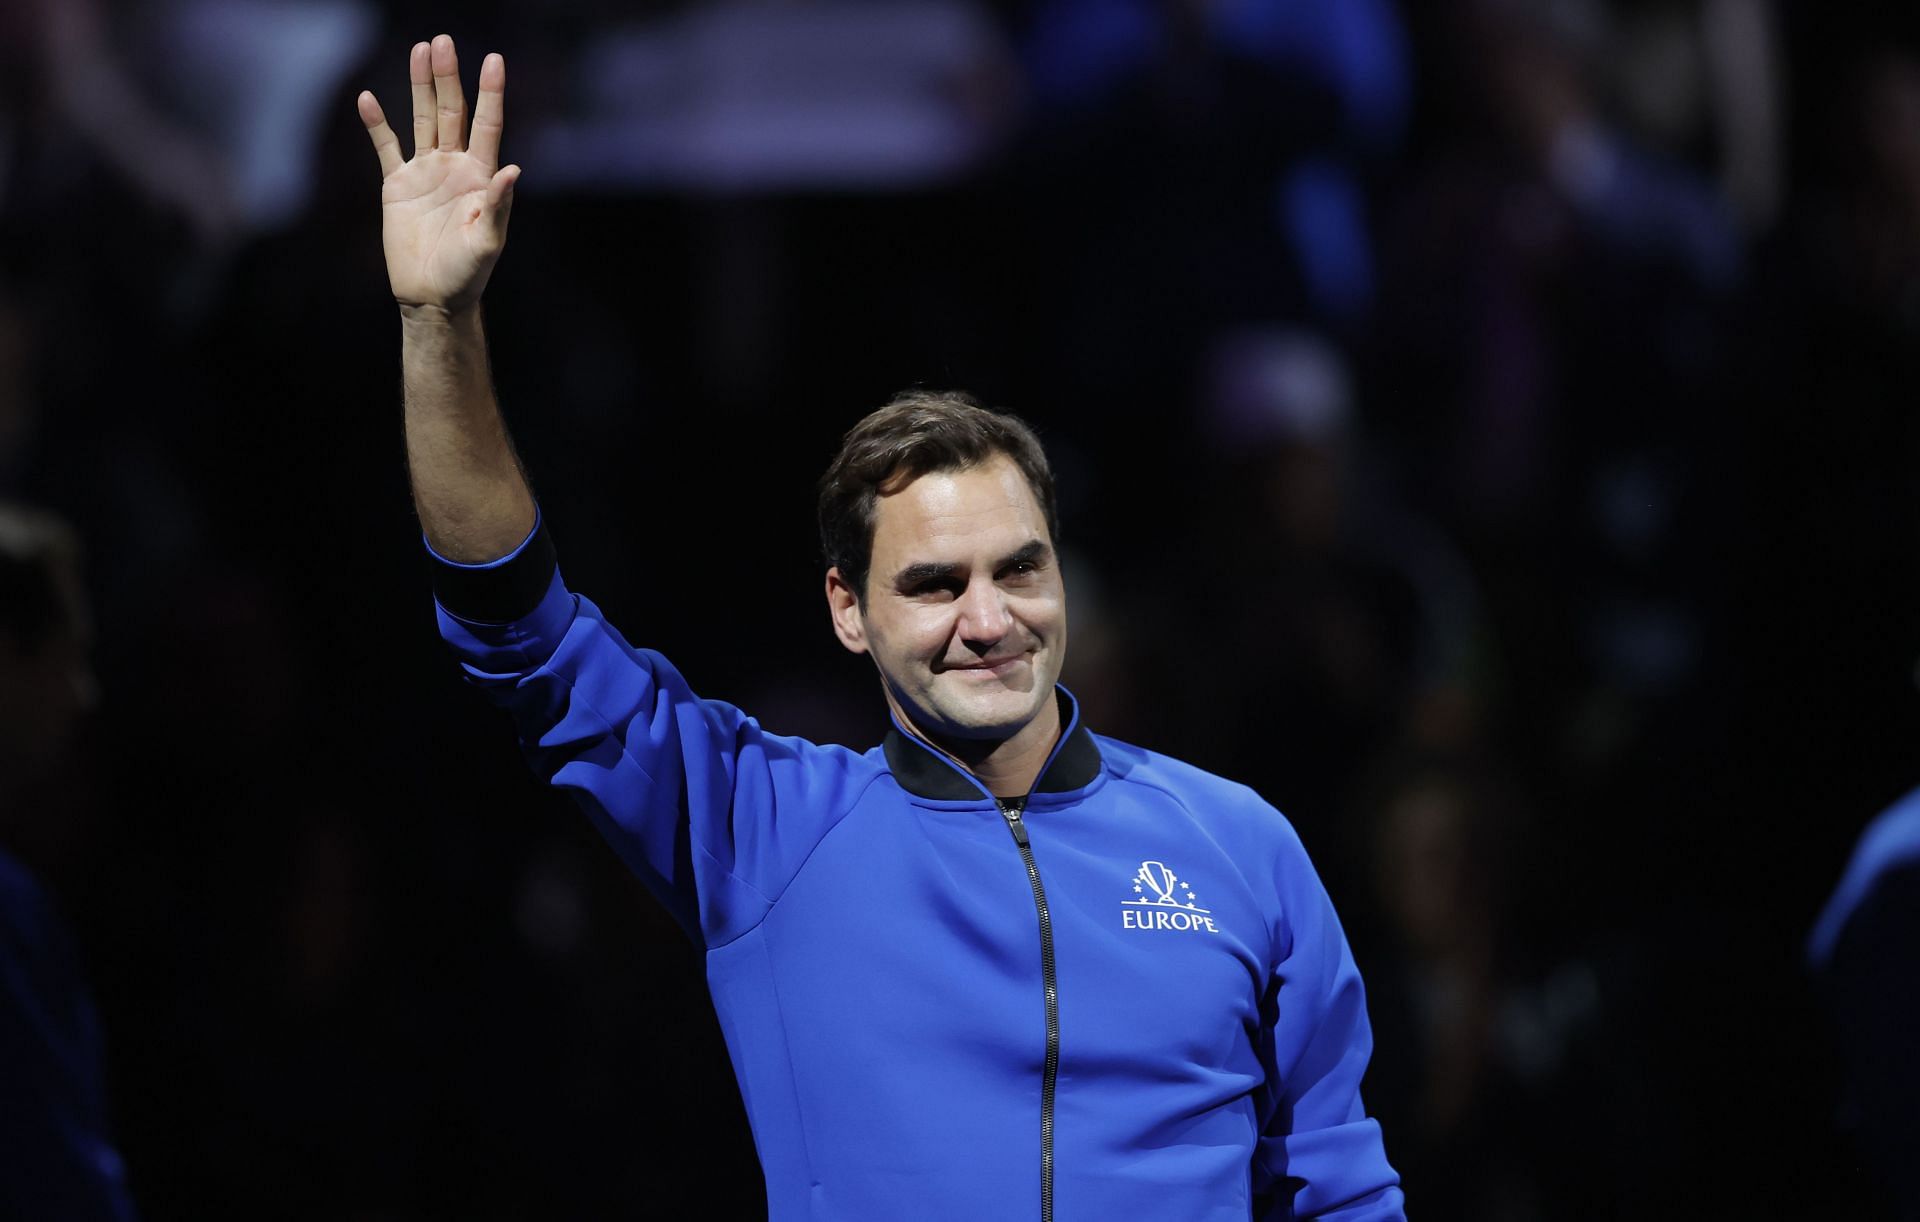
point(443, 225)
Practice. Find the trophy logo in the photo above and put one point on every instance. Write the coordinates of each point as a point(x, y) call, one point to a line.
point(1167, 901)
point(1160, 880)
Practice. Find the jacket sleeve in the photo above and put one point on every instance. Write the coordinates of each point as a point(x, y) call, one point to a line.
point(714, 814)
point(1319, 1154)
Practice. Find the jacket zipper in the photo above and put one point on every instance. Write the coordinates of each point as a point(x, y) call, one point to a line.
point(1010, 809)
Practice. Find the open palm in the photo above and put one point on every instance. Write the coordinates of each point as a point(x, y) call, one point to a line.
point(443, 211)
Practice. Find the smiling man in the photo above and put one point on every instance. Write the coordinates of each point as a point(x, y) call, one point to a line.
point(966, 621)
point(997, 967)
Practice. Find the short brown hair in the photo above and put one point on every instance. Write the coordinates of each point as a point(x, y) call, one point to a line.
point(918, 432)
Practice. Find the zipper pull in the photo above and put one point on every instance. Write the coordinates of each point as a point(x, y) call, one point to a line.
point(1010, 808)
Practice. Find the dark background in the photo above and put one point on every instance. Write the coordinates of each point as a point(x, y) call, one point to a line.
point(1481, 426)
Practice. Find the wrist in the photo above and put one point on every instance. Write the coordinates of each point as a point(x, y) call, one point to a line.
point(434, 312)
point(429, 314)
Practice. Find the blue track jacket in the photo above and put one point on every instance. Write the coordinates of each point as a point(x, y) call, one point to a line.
point(1128, 996)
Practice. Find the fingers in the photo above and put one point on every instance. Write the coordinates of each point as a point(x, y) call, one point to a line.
point(420, 75)
point(489, 110)
point(452, 104)
point(385, 143)
point(440, 107)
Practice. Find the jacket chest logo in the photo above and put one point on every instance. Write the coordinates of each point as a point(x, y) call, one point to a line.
point(1164, 900)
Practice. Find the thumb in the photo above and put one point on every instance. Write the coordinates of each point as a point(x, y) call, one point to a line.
point(500, 189)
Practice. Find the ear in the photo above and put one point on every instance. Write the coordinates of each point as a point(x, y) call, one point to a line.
point(848, 623)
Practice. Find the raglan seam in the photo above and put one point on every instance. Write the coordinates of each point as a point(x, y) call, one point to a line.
point(820, 840)
point(693, 837)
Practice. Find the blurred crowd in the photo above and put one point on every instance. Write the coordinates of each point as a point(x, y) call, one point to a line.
point(1484, 426)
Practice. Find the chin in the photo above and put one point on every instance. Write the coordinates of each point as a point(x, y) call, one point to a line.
point(1001, 717)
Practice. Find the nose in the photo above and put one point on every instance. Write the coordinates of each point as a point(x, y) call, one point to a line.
point(984, 618)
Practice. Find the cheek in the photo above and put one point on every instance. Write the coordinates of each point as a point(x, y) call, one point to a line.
point(913, 633)
point(1043, 613)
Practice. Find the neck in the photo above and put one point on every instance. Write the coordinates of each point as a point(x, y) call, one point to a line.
point(1007, 767)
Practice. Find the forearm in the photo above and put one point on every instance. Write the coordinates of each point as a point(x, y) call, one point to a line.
point(468, 486)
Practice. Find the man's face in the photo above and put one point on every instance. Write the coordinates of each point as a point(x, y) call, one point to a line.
point(965, 612)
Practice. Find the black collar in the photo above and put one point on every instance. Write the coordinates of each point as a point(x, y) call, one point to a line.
point(928, 774)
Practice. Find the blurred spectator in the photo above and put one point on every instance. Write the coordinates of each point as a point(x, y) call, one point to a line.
point(1187, 168)
point(1555, 333)
point(1500, 1061)
point(83, 137)
point(1354, 619)
point(1087, 55)
point(1546, 268)
point(78, 85)
point(57, 1159)
point(1703, 79)
point(750, 95)
point(1862, 222)
point(1542, 74)
point(251, 79)
point(73, 450)
point(1746, 77)
point(1865, 953)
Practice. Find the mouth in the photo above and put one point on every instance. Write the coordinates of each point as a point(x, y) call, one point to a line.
point(1001, 667)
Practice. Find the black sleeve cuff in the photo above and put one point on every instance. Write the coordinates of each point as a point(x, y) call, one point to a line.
point(499, 591)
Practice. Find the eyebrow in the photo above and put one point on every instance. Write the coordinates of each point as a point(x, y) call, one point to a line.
point(1035, 552)
point(922, 573)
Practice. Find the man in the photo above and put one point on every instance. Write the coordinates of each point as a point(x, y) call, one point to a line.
point(57, 1157)
point(997, 967)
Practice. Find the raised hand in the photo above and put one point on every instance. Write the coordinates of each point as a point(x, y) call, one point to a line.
point(444, 210)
